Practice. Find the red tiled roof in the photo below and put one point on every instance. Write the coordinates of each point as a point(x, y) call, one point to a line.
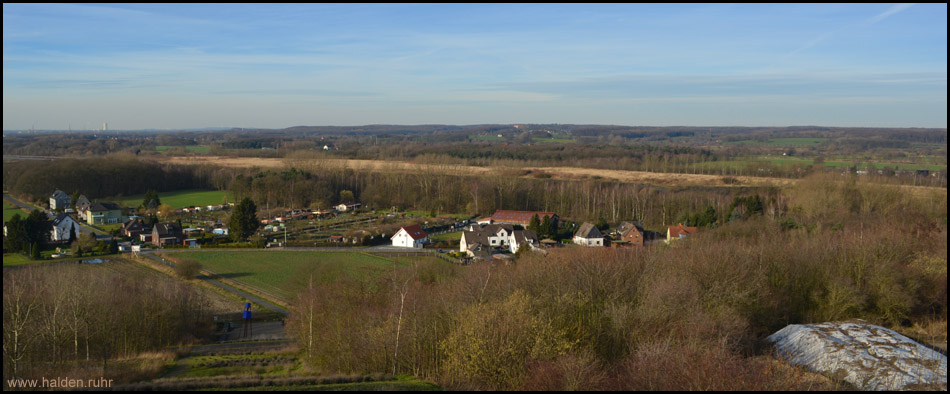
point(676, 231)
point(519, 216)
point(415, 231)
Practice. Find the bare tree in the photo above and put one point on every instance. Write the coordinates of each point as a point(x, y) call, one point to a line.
point(18, 306)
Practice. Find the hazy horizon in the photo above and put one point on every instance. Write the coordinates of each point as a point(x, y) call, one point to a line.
point(186, 66)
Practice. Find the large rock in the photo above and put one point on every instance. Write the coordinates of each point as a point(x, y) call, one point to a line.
point(867, 356)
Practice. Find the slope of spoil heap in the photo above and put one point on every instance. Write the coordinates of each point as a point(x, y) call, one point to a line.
point(867, 356)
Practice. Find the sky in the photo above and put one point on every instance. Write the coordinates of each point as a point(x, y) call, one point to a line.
point(177, 66)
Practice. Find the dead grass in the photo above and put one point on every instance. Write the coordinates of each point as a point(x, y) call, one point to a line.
point(563, 173)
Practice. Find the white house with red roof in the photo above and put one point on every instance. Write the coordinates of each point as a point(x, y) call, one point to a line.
point(410, 237)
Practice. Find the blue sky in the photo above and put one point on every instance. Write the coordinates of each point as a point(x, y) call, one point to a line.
point(169, 66)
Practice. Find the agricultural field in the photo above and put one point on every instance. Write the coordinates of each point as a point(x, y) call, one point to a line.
point(782, 142)
point(792, 162)
point(489, 138)
point(187, 148)
point(181, 198)
point(283, 273)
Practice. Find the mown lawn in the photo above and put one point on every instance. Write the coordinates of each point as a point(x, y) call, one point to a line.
point(456, 235)
point(285, 273)
point(181, 198)
point(9, 210)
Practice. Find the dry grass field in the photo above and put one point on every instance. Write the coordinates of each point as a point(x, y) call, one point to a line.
point(566, 173)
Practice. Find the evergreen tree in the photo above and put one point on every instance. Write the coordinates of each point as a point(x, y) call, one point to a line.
point(72, 234)
point(601, 223)
point(545, 228)
point(35, 251)
point(535, 224)
point(16, 236)
point(151, 200)
point(243, 220)
point(74, 197)
point(36, 227)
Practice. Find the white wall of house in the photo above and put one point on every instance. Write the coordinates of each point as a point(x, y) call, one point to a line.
point(402, 239)
point(588, 241)
point(61, 231)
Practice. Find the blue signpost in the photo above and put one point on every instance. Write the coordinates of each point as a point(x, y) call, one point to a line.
point(247, 319)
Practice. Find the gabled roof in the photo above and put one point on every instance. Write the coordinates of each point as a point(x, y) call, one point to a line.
point(167, 229)
point(60, 218)
point(678, 230)
point(626, 228)
point(59, 194)
point(473, 238)
point(133, 224)
point(525, 237)
point(104, 206)
point(588, 230)
point(415, 232)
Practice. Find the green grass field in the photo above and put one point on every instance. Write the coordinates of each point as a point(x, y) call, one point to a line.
point(9, 210)
point(188, 148)
point(284, 273)
point(489, 138)
point(791, 142)
point(554, 140)
point(457, 235)
point(180, 199)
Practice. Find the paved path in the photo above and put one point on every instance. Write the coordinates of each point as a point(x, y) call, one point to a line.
point(281, 311)
point(371, 249)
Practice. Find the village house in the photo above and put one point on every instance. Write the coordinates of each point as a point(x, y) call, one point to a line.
point(589, 235)
point(629, 234)
point(62, 225)
point(410, 237)
point(482, 239)
point(82, 204)
point(104, 213)
point(59, 200)
point(133, 228)
point(678, 232)
point(167, 234)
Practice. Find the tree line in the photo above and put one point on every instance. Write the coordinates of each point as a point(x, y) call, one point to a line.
point(97, 177)
point(58, 317)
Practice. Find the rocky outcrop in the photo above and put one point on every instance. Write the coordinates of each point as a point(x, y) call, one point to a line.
point(867, 356)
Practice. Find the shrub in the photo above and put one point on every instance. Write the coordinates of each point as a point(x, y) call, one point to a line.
point(187, 268)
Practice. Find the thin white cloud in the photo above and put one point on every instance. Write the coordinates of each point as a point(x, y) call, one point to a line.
point(877, 18)
point(891, 11)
